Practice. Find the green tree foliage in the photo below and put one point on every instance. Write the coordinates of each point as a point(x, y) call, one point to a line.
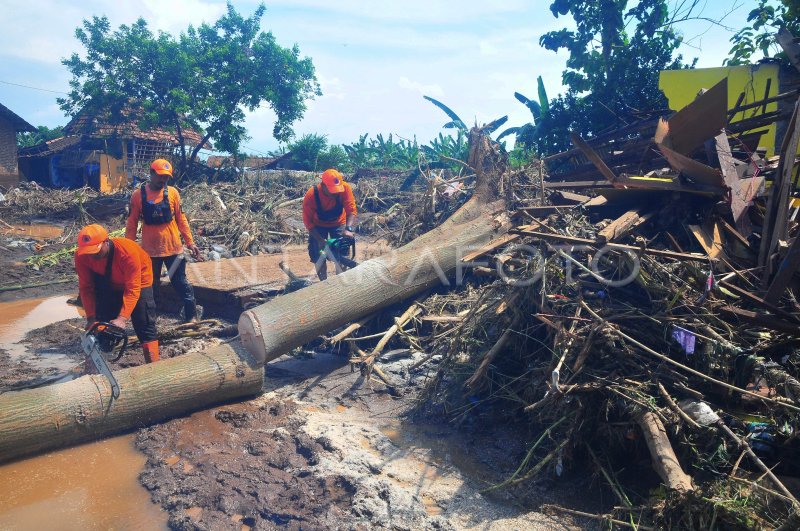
point(42, 134)
point(381, 152)
point(203, 80)
point(527, 134)
point(615, 54)
point(311, 153)
point(759, 35)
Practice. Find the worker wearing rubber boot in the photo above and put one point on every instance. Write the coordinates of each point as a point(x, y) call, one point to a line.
point(163, 224)
point(329, 211)
point(115, 279)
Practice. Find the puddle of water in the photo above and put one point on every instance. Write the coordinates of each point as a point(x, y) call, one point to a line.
point(36, 231)
point(19, 317)
point(93, 486)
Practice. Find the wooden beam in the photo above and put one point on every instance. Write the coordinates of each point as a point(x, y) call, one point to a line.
point(593, 157)
point(702, 119)
point(710, 241)
point(619, 246)
point(787, 269)
point(774, 227)
point(750, 297)
point(623, 225)
point(576, 184)
point(730, 176)
point(763, 320)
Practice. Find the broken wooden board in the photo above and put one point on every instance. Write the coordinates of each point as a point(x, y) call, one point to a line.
point(665, 184)
point(593, 157)
point(699, 173)
point(619, 246)
point(788, 267)
point(711, 241)
point(623, 225)
point(774, 227)
point(568, 198)
point(763, 320)
point(731, 179)
point(702, 119)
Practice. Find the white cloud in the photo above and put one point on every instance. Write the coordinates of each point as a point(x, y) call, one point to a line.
point(425, 90)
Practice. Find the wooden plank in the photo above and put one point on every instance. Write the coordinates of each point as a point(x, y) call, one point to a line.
point(570, 197)
point(702, 119)
point(696, 171)
point(763, 320)
point(755, 299)
point(620, 246)
point(775, 218)
point(576, 184)
point(733, 232)
point(623, 225)
point(787, 269)
point(498, 242)
point(666, 184)
point(543, 210)
point(711, 241)
point(731, 179)
point(592, 155)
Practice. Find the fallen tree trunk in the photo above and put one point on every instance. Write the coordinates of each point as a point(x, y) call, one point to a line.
point(288, 321)
point(37, 420)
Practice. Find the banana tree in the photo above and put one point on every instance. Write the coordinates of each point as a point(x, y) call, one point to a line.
point(526, 134)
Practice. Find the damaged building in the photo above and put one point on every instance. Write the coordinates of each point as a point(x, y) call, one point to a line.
point(100, 153)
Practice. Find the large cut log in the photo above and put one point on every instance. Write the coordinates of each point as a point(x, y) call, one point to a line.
point(288, 321)
point(47, 418)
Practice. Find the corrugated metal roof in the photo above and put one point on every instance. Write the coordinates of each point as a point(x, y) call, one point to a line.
point(19, 124)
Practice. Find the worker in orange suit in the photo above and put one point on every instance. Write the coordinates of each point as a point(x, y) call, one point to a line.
point(163, 224)
point(115, 279)
point(329, 211)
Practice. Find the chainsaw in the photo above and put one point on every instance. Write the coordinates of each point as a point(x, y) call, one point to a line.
point(341, 249)
point(103, 343)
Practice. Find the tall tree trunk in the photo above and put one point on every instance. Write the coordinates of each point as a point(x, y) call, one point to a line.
point(288, 321)
point(46, 418)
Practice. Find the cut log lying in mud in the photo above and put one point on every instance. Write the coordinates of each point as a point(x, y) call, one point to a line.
point(37, 420)
point(286, 322)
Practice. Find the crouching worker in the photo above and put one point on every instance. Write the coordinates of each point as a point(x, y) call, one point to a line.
point(115, 279)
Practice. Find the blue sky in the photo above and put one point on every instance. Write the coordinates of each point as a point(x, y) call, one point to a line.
point(374, 59)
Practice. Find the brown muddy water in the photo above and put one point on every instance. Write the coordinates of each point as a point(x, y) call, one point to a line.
point(93, 486)
point(17, 318)
point(36, 231)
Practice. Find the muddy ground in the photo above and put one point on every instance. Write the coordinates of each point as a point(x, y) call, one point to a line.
point(322, 449)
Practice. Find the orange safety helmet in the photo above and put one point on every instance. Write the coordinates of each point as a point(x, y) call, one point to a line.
point(162, 167)
point(90, 239)
point(333, 180)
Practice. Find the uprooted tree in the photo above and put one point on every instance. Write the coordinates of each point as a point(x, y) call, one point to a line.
point(202, 80)
point(38, 420)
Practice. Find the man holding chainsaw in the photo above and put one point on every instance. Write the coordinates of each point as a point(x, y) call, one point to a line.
point(115, 280)
point(163, 223)
point(329, 212)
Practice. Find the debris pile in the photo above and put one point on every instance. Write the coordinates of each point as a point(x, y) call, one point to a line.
point(656, 321)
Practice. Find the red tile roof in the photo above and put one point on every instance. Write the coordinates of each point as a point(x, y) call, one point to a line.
point(97, 126)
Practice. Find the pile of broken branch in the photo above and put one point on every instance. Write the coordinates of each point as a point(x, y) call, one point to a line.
point(658, 318)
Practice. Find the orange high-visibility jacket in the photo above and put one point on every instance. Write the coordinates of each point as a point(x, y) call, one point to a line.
point(310, 218)
point(159, 240)
point(131, 270)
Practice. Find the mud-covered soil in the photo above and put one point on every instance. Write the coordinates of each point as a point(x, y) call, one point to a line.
point(243, 464)
point(324, 449)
